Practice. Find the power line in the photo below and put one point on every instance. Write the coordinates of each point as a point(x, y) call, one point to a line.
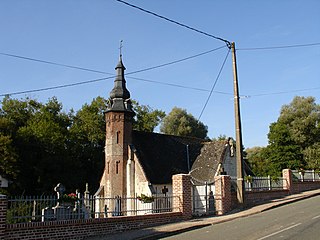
point(175, 22)
point(213, 86)
point(99, 71)
point(53, 63)
point(279, 47)
point(283, 92)
point(180, 86)
point(101, 79)
point(177, 61)
point(55, 87)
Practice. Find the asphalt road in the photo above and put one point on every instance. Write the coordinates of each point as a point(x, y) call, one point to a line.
point(299, 220)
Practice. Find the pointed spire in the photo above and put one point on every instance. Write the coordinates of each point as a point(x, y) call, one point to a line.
point(119, 95)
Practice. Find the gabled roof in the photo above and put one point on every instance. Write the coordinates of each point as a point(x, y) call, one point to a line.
point(162, 156)
point(207, 163)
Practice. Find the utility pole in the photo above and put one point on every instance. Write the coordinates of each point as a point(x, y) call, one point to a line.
point(239, 153)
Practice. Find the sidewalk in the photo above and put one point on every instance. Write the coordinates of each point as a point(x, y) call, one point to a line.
point(175, 228)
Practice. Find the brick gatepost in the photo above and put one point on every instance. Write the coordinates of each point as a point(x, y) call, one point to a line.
point(3, 215)
point(222, 194)
point(287, 183)
point(181, 191)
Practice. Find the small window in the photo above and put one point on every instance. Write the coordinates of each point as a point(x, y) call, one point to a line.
point(117, 167)
point(108, 167)
point(118, 137)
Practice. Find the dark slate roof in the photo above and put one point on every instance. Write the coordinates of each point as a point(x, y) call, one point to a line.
point(119, 95)
point(207, 162)
point(162, 156)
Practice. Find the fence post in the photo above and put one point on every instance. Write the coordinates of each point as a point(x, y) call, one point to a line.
point(269, 183)
point(288, 182)
point(3, 215)
point(181, 191)
point(222, 194)
point(313, 175)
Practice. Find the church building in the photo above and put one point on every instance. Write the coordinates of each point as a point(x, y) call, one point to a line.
point(143, 163)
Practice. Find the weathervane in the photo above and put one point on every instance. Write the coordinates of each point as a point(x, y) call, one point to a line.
point(120, 48)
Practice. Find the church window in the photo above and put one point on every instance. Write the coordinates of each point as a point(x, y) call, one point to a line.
point(108, 167)
point(117, 167)
point(118, 137)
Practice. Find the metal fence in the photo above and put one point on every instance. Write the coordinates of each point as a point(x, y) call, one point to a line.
point(305, 175)
point(28, 208)
point(264, 183)
point(48, 208)
point(129, 206)
point(260, 183)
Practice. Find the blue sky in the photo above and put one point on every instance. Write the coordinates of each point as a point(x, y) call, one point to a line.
point(87, 34)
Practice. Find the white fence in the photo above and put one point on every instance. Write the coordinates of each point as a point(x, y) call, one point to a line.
point(305, 175)
point(260, 183)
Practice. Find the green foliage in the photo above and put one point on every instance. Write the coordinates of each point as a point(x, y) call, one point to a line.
point(41, 145)
point(145, 199)
point(220, 138)
point(294, 140)
point(302, 116)
point(178, 122)
point(312, 156)
point(8, 157)
point(146, 118)
point(256, 161)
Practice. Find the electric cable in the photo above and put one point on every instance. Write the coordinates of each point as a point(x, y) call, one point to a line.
point(53, 63)
point(173, 62)
point(279, 47)
point(175, 22)
point(101, 79)
point(54, 87)
point(214, 85)
point(283, 92)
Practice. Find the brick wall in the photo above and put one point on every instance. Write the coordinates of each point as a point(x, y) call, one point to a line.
point(254, 198)
point(305, 186)
point(296, 187)
point(80, 229)
point(181, 186)
point(3, 215)
point(222, 195)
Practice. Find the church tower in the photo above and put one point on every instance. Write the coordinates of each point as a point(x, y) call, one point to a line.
point(119, 118)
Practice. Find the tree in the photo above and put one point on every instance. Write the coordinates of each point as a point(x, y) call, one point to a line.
point(178, 122)
point(294, 138)
point(256, 160)
point(8, 157)
point(302, 116)
point(87, 136)
point(146, 118)
point(41, 145)
point(312, 156)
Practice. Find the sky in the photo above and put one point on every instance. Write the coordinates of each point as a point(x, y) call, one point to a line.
point(87, 34)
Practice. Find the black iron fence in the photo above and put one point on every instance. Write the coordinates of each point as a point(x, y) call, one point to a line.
point(49, 208)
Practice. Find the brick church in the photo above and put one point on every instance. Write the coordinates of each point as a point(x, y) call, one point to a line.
point(143, 163)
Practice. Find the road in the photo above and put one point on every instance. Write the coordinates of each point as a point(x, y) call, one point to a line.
point(299, 220)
